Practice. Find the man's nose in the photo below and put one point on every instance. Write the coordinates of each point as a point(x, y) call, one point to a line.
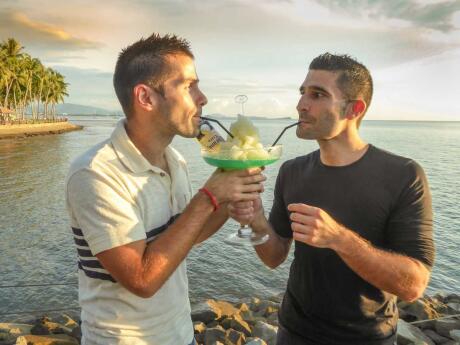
point(302, 105)
point(202, 99)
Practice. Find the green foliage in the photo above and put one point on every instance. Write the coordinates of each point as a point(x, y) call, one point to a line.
point(26, 82)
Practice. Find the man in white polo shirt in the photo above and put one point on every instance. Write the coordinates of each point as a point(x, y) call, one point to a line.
point(132, 211)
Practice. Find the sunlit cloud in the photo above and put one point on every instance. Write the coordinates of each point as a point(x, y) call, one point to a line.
point(31, 32)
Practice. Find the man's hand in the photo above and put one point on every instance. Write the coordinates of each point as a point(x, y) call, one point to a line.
point(245, 212)
point(238, 185)
point(314, 226)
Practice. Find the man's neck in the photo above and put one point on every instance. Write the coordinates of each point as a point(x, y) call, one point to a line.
point(150, 141)
point(343, 150)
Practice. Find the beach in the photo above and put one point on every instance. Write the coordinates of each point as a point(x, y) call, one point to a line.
point(27, 130)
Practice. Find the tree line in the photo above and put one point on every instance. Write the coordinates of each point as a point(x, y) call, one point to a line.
point(26, 85)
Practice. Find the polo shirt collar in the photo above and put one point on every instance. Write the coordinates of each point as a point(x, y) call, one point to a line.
point(132, 158)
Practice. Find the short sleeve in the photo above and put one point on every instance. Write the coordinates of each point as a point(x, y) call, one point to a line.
point(105, 213)
point(279, 215)
point(410, 226)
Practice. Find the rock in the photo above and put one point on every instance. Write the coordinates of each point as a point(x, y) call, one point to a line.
point(45, 326)
point(226, 323)
point(238, 324)
point(53, 339)
point(15, 329)
point(253, 303)
point(76, 333)
point(421, 309)
point(408, 334)
point(247, 315)
point(9, 332)
point(262, 306)
point(277, 298)
point(255, 341)
point(39, 329)
point(226, 309)
point(66, 321)
point(212, 324)
point(199, 327)
point(452, 298)
point(212, 335)
point(7, 338)
point(443, 327)
point(266, 332)
point(235, 337)
point(242, 307)
point(455, 334)
point(438, 339)
point(212, 310)
point(206, 312)
point(454, 307)
point(272, 319)
point(199, 338)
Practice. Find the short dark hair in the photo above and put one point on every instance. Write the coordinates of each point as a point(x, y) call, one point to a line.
point(145, 61)
point(354, 79)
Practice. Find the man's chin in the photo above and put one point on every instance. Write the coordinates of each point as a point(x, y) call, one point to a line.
point(193, 133)
point(305, 135)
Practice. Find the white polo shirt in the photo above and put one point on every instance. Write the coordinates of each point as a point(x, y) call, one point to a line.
point(114, 197)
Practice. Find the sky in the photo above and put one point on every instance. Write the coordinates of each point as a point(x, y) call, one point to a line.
point(260, 48)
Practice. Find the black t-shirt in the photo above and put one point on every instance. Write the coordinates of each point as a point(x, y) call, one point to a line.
point(382, 197)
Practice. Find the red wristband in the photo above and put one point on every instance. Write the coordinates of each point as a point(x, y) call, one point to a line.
point(211, 196)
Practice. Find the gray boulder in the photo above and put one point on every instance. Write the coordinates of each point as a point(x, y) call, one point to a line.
point(266, 332)
point(438, 339)
point(455, 334)
point(255, 341)
point(211, 335)
point(408, 335)
point(443, 327)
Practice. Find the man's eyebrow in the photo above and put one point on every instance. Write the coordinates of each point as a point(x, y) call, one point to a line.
point(319, 89)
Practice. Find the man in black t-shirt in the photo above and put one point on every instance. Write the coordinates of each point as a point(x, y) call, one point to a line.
point(361, 219)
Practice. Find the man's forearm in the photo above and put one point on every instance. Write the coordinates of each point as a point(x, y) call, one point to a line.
point(214, 223)
point(275, 250)
point(402, 276)
point(163, 255)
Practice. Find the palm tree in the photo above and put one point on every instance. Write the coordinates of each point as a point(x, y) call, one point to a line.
point(24, 82)
point(11, 52)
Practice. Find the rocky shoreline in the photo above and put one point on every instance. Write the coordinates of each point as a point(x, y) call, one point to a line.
point(27, 130)
point(431, 320)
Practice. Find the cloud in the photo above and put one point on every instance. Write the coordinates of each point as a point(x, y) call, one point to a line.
point(436, 16)
point(39, 34)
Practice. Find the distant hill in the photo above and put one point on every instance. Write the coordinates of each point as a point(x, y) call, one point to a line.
point(78, 109)
point(226, 117)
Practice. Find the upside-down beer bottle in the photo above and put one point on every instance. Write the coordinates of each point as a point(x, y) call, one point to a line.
point(209, 138)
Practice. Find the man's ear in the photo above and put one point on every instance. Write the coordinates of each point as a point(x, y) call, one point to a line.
point(358, 108)
point(144, 97)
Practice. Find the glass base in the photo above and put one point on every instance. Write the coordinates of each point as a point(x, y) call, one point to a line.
point(245, 236)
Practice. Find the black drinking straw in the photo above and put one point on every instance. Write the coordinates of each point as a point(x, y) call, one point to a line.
point(284, 130)
point(218, 122)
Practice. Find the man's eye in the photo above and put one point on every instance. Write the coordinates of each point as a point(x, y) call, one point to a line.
point(317, 95)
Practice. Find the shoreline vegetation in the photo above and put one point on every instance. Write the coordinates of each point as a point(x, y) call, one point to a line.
point(430, 320)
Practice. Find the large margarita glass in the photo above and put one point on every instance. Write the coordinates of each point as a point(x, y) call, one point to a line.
point(240, 159)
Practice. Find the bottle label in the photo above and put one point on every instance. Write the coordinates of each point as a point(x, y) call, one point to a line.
point(209, 137)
